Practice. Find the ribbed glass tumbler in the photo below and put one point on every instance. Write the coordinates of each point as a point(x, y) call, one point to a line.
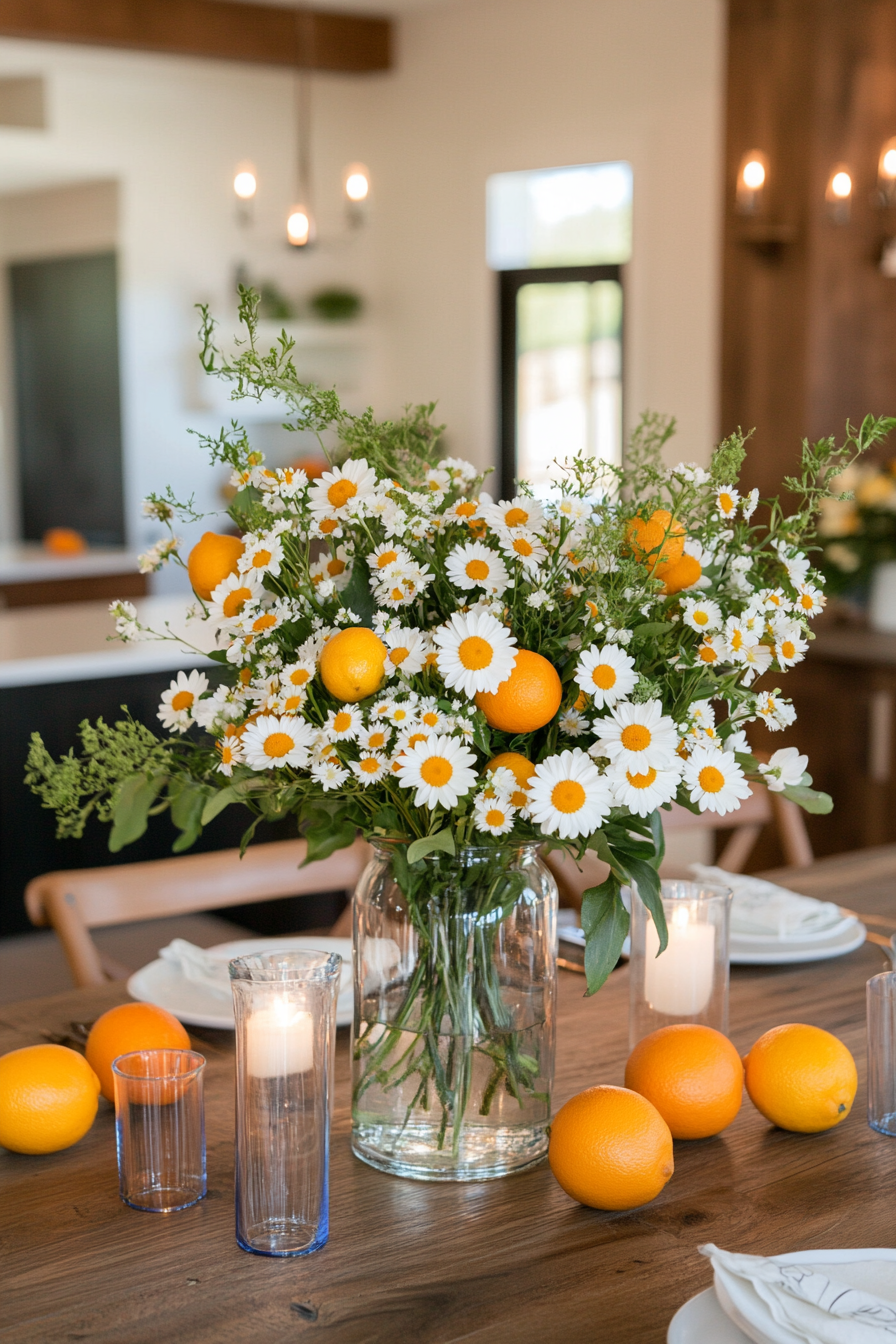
point(285, 1010)
point(160, 1129)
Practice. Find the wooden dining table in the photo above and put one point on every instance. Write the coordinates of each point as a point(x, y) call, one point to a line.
point(508, 1260)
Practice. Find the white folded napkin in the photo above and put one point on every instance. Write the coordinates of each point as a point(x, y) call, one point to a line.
point(819, 1300)
point(762, 909)
point(198, 965)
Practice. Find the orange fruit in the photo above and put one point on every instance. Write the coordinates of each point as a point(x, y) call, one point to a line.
point(801, 1078)
point(211, 560)
point(129, 1027)
point(692, 1074)
point(64, 541)
point(522, 770)
point(352, 663)
point(528, 699)
point(48, 1098)
point(657, 541)
point(610, 1148)
point(682, 574)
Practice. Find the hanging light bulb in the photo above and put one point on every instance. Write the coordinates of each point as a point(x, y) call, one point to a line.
point(245, 183)
point(300, 226)
point(356, 180)
point(838, 195)
point(751, 179)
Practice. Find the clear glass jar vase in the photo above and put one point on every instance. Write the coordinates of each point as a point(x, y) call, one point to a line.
point(455, 990)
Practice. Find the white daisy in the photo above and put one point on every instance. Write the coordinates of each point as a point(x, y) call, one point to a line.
point(463, 511)
point(607, 674)
point(748, 504)
point(567, 795)
point(437, 481)
point(713, 650)
point(572, 509)
point(790, 646)
point(776, 712)
point(701, 614)
point(375, 739)
point(400, 713)
point(260, 623)
point(327, 526)
point(407, 651)
point(643, 793)
point(757, 660)
point(738, 637)
point(271, 742)
point(501, 784)
point(493, 815)
point(395, 592)
point(176, 709)
point(225, 704)
point(387, 554)
point(340, 491)
point(440, 770)
point(336, 567)
point(476, 652)
point(370, 767)
point(572, 723)
point(431, 716)
point(810, 600)
point(294, 680)
point(637, 737)
point(231, 752)
point(231, 597)
point(519, 512)
point(727, 500)
point(476, 565)
point(715, 780)
point(329, 774)
point(343, 725)
point(524, 546)
point(458, 468)
point(261, 555)
point(785, 769)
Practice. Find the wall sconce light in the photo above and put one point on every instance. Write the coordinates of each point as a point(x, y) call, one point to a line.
point(300, 226)
point(751, 180)
point(886, 173)
point(838, 195)
point(356, 185)
point(245, 185)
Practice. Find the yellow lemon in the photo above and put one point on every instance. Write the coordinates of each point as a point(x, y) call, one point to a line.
point(48, 1098)
point(352, 663)
point(211, 560)
point(801, 1078)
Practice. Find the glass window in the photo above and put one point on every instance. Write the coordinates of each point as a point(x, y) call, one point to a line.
point(560, 216)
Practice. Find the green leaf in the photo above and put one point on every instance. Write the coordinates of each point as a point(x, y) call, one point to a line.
point(659, 837)
point(186, 813)
point(598, 843)
point(651, 630)
point(429, 844)
point(810, 800)
point(325, 837)
point(357, 595)
point(130, 815)
point(605, 921)
point(646, 881)
point(218, 801)
point(481, 735)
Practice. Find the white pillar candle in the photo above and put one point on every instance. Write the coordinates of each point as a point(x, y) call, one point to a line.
point(678, 982)
point(279, 1041)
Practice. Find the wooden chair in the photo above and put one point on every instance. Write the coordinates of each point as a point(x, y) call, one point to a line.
point(81, 899)
point(754, 813)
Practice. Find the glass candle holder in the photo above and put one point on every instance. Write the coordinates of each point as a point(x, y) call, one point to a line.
point(284, 1006)
point(881, 1003)
point(688, 982)
point(160, 1129)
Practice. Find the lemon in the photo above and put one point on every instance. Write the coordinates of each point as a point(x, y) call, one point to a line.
point(48, 1098)
point(801, 1078)
point(352, 663)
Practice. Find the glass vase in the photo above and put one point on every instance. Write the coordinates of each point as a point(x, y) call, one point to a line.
point(455, 989)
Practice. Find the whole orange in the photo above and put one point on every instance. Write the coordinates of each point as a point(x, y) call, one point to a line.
point(214, 556)
point(528, 699)
point(801, 1078)
point(692, 1074)
point(64, 541)
point(129, 1027)
point(657, 541)
point(48, 1098)
point(352, 664)
point(682, 574)
point(610, 1148)
point(522, 770)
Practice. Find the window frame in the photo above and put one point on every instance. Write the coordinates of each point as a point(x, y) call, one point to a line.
point(509, 285)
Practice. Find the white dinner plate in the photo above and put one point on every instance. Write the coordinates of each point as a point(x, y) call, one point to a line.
point(766, 951)
point(702, 1321)
point(163, 984)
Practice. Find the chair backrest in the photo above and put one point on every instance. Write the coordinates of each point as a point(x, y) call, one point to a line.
point(76, 900)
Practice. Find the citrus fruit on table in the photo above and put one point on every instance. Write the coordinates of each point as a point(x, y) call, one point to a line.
point(657, 541)
point(130, 1027)
point(522, 770)
point(214, 556)
point(610, 1148)
point(352, 663)
point(528, 699)
point(64, 541)
point(801, 1078)
point(692, 1074)
point(48, 1098)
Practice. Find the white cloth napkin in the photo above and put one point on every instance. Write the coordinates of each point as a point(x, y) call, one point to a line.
point(762, 909)
point(807, 1303)
point(195, 964)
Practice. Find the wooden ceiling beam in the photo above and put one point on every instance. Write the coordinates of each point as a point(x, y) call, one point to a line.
point(264, 34)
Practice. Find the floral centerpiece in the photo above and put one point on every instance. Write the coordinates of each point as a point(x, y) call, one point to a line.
point(464, 680)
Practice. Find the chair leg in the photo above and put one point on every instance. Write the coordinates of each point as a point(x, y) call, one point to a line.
point(343, 926)
point(792, 831)
point(81, 952)
point(735, 854)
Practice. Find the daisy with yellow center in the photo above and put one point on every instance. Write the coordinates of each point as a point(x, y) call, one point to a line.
point(178, 702)
point(440, 769)
point(524, 546)
point(476, 652)
point(272, 742)
point(230, 750)
point(431, 716)
point(335, 567)
point(343, 490)
point(790, 646)
point(296, 676)
point(757, 659)
point(643, 792)
point(328, 526)
point(370, 768)
point(385, 555)
point(606, 674)
point(572, 723)
point(637, 737)
point(476, 565)
point(715, 781)
point(738, 638)
point(343, 725)
point(493, 815)
point(568, 797)
point(519, 512)
point(407, 651)
point(701, 614)
point(712, 650)
point(261, 555)
point(727, 500)
point(375, 739)
point(329, 774)
point(810, 600)
point(463, 511)
point(232, 596)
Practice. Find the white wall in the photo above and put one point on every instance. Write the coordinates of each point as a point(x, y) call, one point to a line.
point(481, 86)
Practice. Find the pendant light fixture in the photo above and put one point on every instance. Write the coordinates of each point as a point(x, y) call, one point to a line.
point(300, 226)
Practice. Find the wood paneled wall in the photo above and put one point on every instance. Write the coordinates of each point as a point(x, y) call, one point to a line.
point(809, 321)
